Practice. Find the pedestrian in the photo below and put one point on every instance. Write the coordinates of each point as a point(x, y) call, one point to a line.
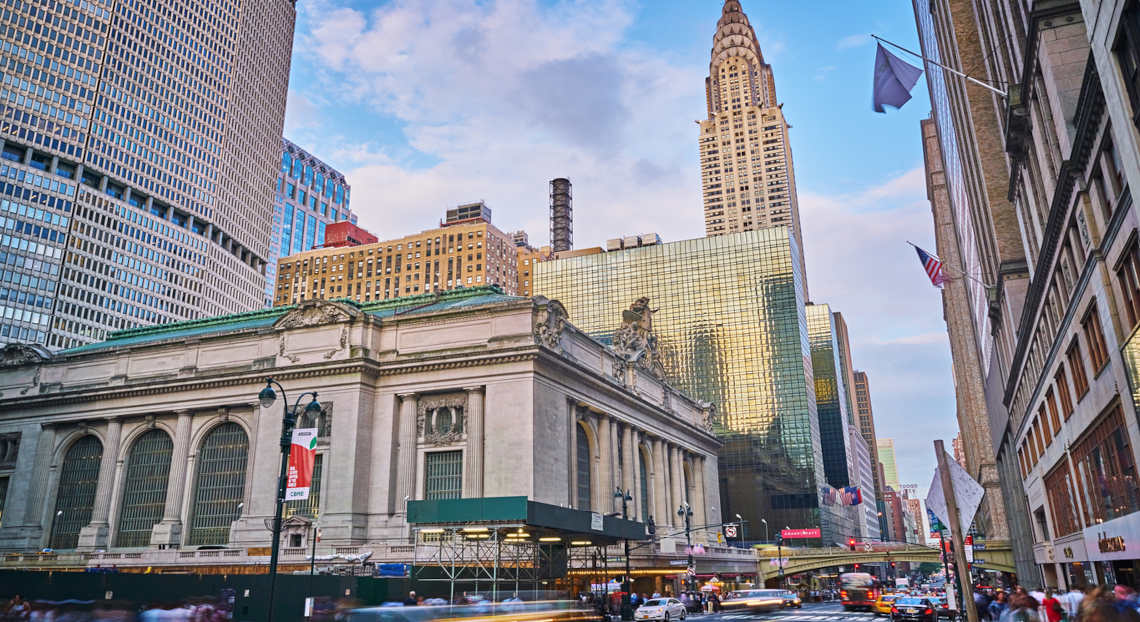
point(1100, 605)
point(1071, 601)
point(1053, 610)
point(1022, 608)
point(411, 601)
point(998, 606)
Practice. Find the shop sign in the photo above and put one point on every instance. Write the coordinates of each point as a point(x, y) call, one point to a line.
point(1115, 539)
point(597, 521)
point(789, 534)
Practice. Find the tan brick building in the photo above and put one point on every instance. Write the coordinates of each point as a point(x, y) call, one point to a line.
point(461, 253)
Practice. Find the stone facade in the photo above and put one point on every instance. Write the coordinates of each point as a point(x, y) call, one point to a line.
point(504, 382)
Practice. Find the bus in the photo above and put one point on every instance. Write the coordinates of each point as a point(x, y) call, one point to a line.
point(858, 590)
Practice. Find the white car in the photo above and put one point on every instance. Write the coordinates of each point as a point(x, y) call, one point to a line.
point(664, 609)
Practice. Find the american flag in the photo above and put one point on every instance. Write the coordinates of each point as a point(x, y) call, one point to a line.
point(933, 267)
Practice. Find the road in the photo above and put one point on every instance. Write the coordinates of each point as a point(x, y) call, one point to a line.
point(811, 612)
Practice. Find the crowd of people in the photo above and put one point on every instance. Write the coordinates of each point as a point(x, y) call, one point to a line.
point(17, 609)
point(1099, 604)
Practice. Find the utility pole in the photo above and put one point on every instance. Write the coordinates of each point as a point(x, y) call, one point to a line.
point(961, 568)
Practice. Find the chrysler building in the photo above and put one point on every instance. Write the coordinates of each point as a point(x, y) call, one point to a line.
point(747, 178)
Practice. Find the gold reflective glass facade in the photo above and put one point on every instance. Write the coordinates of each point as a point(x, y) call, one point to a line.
point(732, 330)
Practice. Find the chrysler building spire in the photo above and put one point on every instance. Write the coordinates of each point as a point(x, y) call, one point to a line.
point(747, 178)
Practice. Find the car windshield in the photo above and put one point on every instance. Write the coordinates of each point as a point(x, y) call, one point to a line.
point(913, 602)
point(888, 597)
point(656, 602)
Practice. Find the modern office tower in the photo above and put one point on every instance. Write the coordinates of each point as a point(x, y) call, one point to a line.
point(746, 351)
point(747, 178)
point(914, 507)
point(561, 215)
point(528, 257)
point(310, 195)
point(865, 422)
point(830, 397)
point(137, 169)
point(466, 251)
point(887, 459)
point(863, 476)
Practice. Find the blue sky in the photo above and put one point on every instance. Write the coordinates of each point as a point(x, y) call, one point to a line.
point(428, 103)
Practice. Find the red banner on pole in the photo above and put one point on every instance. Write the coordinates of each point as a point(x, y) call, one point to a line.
point(302, 456)
point(799, 533)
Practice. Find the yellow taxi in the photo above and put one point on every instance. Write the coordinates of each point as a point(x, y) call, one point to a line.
point(883, 604)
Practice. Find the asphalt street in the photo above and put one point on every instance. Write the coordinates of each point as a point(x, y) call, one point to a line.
point(811, 612)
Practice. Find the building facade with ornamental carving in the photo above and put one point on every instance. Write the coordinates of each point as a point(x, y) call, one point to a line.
point(141, 450)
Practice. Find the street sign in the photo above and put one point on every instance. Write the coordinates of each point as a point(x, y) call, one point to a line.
point(597, 521)
point(968, 492)
point(690, 571)
point(979, 560)
point(678, 562)
point(730, 531)
point(790, 534)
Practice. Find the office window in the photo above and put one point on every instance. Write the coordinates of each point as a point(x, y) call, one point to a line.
point(1063, 392)
point(1106, 473)
point(443, 475)
point(1098, 352)
point(1062, 500)
point(1054, 416)
point(1077, 366)
point(1047, 436)
point(1128, 278)
point(1127, 50)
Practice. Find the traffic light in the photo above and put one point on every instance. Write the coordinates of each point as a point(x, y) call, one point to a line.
point(892, 564)
point(856, 567)
point(851, 544)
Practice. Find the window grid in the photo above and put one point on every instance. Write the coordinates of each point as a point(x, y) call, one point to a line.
point(583, 468)
point(76, 495)
point(144, 488)
point(221, 484)
point(443, 475)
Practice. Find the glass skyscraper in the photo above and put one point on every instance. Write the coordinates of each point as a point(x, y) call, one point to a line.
point(309, 196)
point(138, 143)
point(732, 330)
point(830, 394)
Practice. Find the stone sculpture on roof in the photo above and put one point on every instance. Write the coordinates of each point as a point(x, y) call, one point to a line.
point(635, 341)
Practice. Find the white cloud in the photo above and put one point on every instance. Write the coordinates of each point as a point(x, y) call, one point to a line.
point(853, 41)
point(497, 124)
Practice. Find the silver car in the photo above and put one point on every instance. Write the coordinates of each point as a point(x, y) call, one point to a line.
point(664, 609)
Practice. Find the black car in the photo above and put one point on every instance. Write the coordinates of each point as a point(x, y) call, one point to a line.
point(914, 609)
point(941, 607)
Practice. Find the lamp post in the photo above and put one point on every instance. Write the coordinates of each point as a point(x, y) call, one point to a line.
point(51, 532)
point(765, 521)
point(626, 497)
point(686, 513)
point(267, 397)
point(743, 531)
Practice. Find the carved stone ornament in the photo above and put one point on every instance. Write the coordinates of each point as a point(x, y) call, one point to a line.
point(635, 340)
point(317, 313)
point(17, 354)
point(550, 321)
point(442, 419)
point(708, 416)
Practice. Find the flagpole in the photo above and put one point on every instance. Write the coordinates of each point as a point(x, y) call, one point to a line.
point(950, 69)
point(960, 272)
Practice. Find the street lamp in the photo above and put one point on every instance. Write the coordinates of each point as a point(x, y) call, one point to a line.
point(51, 532)
point(626, 497)
point(267, 397)
point(765, 521)
point(686, 513)
point(743, 531)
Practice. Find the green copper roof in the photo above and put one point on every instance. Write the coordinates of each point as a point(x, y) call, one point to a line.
point(465, 298)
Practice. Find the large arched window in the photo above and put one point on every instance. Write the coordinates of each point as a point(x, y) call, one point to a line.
point(583, 446)
point(76, 494)
point(644, 477)
point(220, 484)
point(144, 488)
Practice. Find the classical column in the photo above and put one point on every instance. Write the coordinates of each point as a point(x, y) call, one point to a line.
point(635, 464)
point(40, 500)
point(406, 476)
point(661, 484)
point(678, 488)
point(168, 532)
point(96, 534)
point(604, 488)
point(700, 504)
point(627, 471)
point(473, 464)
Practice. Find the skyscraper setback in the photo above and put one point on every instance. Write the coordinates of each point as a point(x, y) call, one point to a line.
point(747, 178)
point(138, 167)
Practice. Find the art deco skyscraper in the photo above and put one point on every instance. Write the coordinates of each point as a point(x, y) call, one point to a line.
point(139, 146)
point(747, 177)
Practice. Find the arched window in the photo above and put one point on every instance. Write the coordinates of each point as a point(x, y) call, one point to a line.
point(221, 484)
point(76, 494)
point(644, 476)
point(583, 445)
point(144, 488)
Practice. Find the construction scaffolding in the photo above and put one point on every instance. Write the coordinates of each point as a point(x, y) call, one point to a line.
point(509, 545)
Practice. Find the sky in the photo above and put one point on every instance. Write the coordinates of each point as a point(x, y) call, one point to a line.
point(425, 104)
